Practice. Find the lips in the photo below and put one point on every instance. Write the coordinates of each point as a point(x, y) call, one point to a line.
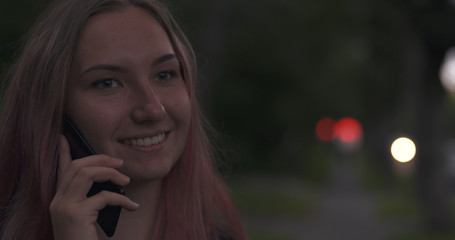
point(146, 141)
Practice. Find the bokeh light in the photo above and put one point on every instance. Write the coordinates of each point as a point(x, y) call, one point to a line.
point(403, 149)
point(324, 129)
point(348, 130)
point(447, 72)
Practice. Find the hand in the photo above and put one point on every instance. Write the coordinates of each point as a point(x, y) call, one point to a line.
point(73, 214)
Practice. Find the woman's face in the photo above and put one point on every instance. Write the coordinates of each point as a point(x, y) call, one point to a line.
point(126, 93)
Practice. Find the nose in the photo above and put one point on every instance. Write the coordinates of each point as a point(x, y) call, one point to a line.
point(148, 106)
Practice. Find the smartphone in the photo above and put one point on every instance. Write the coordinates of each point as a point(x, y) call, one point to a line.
point(79, 147)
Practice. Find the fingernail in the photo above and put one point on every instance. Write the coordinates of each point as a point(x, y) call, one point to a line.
point(135, 205)
point(127, 179)
point(117, 160)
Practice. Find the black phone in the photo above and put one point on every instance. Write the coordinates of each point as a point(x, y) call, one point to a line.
point(79, 147)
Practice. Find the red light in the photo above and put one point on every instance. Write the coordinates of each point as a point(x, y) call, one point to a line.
point(348, 130)
point(324, 129)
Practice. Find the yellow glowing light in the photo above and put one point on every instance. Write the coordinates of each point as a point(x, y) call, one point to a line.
point(403, 149)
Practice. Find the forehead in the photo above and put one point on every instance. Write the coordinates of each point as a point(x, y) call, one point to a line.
point(130, 31)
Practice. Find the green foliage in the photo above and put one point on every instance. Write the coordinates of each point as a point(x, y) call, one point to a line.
point(271, 69)
point(318, 164)
point(272, 204)
point(272, 196)
point(373, 178)
point(266, 235)
point(399, 206)
point(400, 202)
point(16, 17)
point(426, 236)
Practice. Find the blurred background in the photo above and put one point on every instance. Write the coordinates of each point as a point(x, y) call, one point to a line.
point(308, 97)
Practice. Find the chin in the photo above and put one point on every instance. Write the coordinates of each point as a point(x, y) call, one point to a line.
point(147, 173)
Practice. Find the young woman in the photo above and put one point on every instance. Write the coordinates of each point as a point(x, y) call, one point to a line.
point(124, 74)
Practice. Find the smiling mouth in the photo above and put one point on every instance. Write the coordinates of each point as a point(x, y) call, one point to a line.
point(145, 142)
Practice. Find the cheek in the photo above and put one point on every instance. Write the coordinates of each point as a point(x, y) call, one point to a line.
point(92, 108)
point(181, 109)
point(93, 117)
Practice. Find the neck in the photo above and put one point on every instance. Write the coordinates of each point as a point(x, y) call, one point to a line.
point(140, 223)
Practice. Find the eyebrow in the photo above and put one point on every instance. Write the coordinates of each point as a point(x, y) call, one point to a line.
point(116, 68)
point(164, 58)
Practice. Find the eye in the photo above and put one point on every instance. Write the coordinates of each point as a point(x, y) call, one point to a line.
point(106, 83)
point(164, 76)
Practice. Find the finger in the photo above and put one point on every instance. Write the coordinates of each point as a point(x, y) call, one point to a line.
point(98, 160)
point(104, 198)
point(79, 186)
point(73, 167)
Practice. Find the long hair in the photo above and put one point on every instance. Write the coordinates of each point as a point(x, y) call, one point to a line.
point(31, 121)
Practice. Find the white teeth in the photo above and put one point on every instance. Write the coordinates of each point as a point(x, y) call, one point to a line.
point(145, 142)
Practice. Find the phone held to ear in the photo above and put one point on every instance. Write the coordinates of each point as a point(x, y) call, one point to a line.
point(79, 147)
